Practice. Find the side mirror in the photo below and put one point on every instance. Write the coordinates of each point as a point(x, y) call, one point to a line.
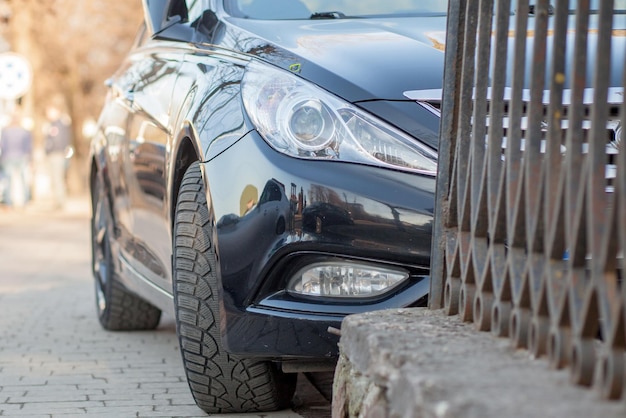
point(162, 16)
point(155, 14)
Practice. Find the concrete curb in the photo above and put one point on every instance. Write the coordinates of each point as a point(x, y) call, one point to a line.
point(421, 363)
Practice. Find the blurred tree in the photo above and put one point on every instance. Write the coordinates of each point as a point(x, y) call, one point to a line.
point(73, 46)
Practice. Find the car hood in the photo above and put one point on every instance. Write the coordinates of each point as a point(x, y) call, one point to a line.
point(356, 59)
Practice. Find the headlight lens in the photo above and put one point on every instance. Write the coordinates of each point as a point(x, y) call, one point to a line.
point(310, 123)
point(345, 280)
point(299, 119)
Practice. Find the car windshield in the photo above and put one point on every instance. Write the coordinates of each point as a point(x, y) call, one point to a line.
point(333, 9)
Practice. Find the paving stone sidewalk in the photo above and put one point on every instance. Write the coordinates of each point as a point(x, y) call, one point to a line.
point(55, 359)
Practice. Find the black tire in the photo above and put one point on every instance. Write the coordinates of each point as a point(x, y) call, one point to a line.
point(117, 308)
point(219, 382)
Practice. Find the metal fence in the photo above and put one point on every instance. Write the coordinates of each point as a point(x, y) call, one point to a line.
point(530, 225)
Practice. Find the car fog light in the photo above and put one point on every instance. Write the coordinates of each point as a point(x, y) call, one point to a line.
point(345, 279)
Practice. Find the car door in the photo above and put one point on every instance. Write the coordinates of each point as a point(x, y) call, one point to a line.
point(148, 249)
point(155, 104)
point(115, 120)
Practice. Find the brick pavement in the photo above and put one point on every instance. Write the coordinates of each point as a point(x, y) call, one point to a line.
point(55, 359)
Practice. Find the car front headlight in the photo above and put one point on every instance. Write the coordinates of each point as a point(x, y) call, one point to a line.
point(302, 120)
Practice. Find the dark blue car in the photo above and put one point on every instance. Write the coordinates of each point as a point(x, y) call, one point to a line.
point(260, 172)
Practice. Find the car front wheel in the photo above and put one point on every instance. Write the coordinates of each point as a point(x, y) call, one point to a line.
point(219, 382)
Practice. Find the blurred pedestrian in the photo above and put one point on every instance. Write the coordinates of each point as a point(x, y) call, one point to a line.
point(58, 140)
point(16, 150)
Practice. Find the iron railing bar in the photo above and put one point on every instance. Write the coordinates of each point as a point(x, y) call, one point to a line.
point(463, 162)
point(444, 200)
point(575, 233)
point(620, 213)
point(553, 161)
point(496, 113)
point(601, 221)
point(482, 302)
point(533, 284)
point(513, 158)
point(497, 174)
point(533, 157)
point(555, 180)
point(598, 199)
point(479, 125)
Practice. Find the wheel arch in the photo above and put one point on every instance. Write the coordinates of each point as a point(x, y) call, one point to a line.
point(186, 153)
point(99, 168)
point(93, 172)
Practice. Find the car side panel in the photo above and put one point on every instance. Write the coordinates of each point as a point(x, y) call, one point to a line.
point(136, 129)
point(145, 166)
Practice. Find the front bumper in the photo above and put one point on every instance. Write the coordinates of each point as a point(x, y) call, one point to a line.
point(274, 213)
